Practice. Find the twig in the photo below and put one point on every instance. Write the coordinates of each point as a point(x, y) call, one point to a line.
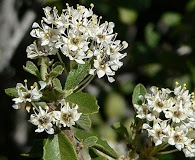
point(71, 137)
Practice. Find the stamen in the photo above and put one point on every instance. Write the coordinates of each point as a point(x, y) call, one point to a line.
point(91, 5)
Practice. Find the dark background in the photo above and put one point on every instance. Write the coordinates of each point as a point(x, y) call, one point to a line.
point(161, 37)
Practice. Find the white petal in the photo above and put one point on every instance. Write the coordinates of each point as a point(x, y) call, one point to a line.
point(108, 71)
point(33, 33)
point(111, 79)
point(100, 73)
point(77, 116)
point(39, 130)
point(41, 111)
point(17, 100)
point(16, 106)
point(92, 71)
point(177, 90)
point(73, 47)
point(171, 141)
point(80, 61)
point(50, 131)
point(42, 84)
point(145, 126)
point(179, 146)
point(157, 142)
point(57, 115)
point(115, 67)
point(47, 9)
point(59, 44)
point(111, 25)
point(45, 42)
point(96, 64)
point(35, 25)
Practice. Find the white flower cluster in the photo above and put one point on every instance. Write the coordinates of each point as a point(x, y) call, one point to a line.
point(170, 117)
point(25, 95)
point(45, 120)
point(78, 34)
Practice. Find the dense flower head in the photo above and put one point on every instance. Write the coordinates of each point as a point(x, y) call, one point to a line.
point(169, 117)
point(78, 35)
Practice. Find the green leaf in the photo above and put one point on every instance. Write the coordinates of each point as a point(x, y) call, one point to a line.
point(57, 70)
point(54, 92)
point(151, 36)
point(152, 69)
point(57, 85)
point(49, 95)
point(100, 144)
point(32, 69)
point(168, 156)
point(90, 141)
point(36, 150)
point(86, 102)
point(138, 90)
point(41, 104)
point(171, 18)
point(43, 69)
point(127, 16)
point(95, 155)
point(59, 147)
point(121, 129)
point(84, 122)
point(190, 5)
point(114, 106)
point(105, 148)
point(12, 92)
point(75, 76)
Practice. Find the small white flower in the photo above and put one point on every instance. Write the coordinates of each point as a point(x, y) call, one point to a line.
point(46, 34)
point(104, 32)
point(67, 116)
point(178, 137)
point(50, 17)
point(189, 148)
point(143, 112)
point(35, 51)
point(43, 121)
point(102, 68)
point(25, 95)
point(182, 93)
point(74, 46)
point(158, 132)
point(177, 113)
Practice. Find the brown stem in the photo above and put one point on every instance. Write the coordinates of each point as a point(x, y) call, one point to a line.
point(71, 137)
